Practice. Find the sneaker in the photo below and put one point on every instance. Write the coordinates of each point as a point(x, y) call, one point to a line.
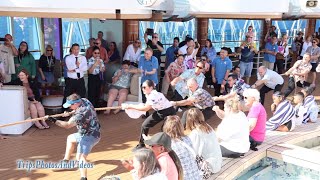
point(83, 178)
point(208, 86)
point(212, 86)
point(179, 110)
point(139, 146)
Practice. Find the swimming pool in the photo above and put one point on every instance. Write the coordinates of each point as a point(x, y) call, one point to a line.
point(272, 169)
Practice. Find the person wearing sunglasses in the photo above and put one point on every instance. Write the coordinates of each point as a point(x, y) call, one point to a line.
point(257, 117)
point(283, 114)
point(84, 117)
point(250, 33)
point(156, 101)
point(180, 82)
point(95, 70)
point(314, 50)
point(133, 52)
point(103, 51)
point(198, 98)
point(298, 74)
point(155, 45)
point(221, 66)
point(46, 67)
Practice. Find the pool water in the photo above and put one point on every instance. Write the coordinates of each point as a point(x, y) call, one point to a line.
point(272, 169)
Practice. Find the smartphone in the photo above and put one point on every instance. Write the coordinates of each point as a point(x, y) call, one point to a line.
point(3, 39)
point(149, 31)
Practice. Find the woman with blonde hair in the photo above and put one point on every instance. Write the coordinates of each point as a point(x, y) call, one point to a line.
point(204, 139)
point(182, 146)
point(233, 131)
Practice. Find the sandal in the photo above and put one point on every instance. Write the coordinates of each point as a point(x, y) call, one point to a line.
point(40, 127)
point(46, 127)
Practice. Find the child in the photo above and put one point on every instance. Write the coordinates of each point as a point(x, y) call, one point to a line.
point(298, 99)
point(207, 71)
point(310, 104)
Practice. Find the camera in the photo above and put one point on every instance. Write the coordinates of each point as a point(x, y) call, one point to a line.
point(3, 39)
point(149, 31)
point(312, 3)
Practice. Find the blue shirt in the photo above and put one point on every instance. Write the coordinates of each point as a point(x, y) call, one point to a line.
point(170, 55)
point(221, 67)
point(210, 52)
point(269, 57)
point(149, 65)
point(181, 86)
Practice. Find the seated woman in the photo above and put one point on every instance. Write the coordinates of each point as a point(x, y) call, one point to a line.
point(298, 100)
point(310, 105)
point(144, 165)
point(204, 139)
point(283, 114)
point(120, 85)
point(113, 53)
point(182, 146)
point(233, 131)
point(95, 69)
point(257, 117)
point(35, 107)
point(46, 67)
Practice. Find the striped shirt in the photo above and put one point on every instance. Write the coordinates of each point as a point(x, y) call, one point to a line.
point(283, 114)
point(308, 102)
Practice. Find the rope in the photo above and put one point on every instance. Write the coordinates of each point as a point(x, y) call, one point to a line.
point(55, 115)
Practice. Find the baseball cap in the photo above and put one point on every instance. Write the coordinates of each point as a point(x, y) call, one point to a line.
point(68, 103)
point(160, 138)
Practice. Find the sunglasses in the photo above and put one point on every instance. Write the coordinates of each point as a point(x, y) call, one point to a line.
point(154, 37)
point(138, 42)
point(144, 87)
point(314, 42)
point(249, 29)
point(203, 59)
point(96, 43)
point(245, 97)
point(199, 67)
point(49, 50)
point(96, 53)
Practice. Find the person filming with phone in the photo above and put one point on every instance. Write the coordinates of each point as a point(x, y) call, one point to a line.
point(7, 53)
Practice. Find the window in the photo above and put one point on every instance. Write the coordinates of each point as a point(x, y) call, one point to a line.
point(28, 30)
point(317, 26)
point(75, 31)
point(5, 25)
point(291, 28)
point(51, 35)
point(230, 32)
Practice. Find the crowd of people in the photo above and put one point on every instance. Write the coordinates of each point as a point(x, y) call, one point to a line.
point(172, 154)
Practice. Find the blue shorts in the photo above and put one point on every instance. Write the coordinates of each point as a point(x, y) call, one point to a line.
point(246, 68)
point(85, 143)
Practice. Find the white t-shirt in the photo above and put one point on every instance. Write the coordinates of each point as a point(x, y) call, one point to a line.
point(272, 77)
point(132, 55)
point(157, 101)
point(183, 49)
point(6, 59)
point(234, 132)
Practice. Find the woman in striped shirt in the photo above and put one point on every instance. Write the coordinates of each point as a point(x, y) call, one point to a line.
point(283, 114)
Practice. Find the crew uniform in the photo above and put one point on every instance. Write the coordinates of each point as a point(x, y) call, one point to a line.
point(76, 81)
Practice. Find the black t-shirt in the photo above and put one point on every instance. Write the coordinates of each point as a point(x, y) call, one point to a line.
point(156, 51)
point(46, 63)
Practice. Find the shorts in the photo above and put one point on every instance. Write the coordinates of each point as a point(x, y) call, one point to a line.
point(117, 87)
point(314, 66)
point(289, 125)
point(85, 143)
point(246, 68)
